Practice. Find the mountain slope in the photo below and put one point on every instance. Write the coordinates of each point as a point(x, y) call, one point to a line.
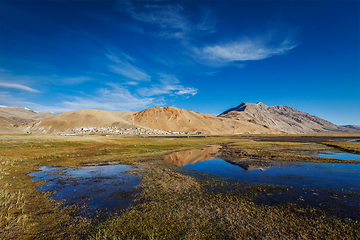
point(354, 127)
point(176, 119)
point(6, 127)
point(283, 118)
point(64, 122)
point(163, 118)
point(245, 118)
point(18, 115)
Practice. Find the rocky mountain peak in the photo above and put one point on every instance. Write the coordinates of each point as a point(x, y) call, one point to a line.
point(282, 118)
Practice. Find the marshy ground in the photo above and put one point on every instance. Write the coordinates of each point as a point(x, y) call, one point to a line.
point(171, 202)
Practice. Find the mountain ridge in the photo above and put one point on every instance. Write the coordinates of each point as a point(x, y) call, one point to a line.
point(283, 118)
point(355, 127)
point(245, 118)
point(17, 115)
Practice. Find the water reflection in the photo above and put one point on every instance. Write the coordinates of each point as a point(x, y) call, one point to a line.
point(334, 188)
point(192, 156)
point(252, 164)
point(316, 175)
point(98, 187)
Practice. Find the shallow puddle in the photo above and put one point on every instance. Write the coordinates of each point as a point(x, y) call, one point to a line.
point(183, 158)
point(339, 155)
point(348, 140)
point(334, 188)
point(97, 187)
point(315, 175)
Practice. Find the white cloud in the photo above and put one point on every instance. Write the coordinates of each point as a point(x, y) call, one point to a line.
point(169, 85)
point(186, 91)
point(246, 49)
point(113, 98)
point(171, 19)
point(75, 80)
point(7, 99)
point(168, 79)
point(132, 83)
point(122, 66)
point(17, 86)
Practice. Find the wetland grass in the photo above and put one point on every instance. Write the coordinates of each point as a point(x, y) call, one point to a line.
point(351, 147)
point(285, 151)
point(179, 207)
point(171, 205)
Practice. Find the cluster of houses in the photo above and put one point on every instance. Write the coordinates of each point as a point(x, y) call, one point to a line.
point(121, 131)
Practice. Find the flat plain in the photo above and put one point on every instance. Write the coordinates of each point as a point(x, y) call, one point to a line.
point(172, 201)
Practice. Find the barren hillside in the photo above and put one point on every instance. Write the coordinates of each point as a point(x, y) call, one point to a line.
point(163, 118)
point(6, 127)
point(63, 122)
point(246, 118)
point(17, 115)
point(283, 118)
point(176, 119)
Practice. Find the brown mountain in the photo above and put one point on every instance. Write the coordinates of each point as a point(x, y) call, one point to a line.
point(245, 118)
point(64, 122)
point(181, 120)
point(6, 127)
point(163, 118)
point(17, 115)
point(282, 118)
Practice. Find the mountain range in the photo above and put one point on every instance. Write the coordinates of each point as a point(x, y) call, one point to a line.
point(247, 118)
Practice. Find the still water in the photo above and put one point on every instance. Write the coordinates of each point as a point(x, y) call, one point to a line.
point(334, 188)
point(340, 155)
point(315, 175)
point(98, 187)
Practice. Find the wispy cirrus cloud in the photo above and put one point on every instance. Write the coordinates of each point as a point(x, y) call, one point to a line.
point(168, 90)
point(74, 80)
point(17, 86)
point(112, 98)
point(118, 62)
point(171, 19)
point(121, 64)
point(247, 48)
point(169, 85)
point(7, 99)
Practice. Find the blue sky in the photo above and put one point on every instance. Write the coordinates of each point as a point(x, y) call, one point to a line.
point(205, 56)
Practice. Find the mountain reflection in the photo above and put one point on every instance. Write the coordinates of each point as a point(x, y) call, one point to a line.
point(192, 156)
